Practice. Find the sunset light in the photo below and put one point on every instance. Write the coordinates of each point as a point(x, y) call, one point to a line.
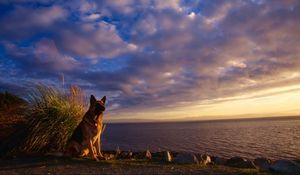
point(150, 87)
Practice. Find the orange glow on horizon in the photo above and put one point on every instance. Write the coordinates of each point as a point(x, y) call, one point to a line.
point(283, 101)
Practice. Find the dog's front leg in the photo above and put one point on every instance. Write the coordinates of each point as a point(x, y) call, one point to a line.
point(91, 150)
point(98, 150)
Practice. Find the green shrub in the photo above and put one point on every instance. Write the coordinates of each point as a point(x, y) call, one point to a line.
point(52, 117)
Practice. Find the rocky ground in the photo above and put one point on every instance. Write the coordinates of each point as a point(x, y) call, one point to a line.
point(124, 162)
point(55, 165)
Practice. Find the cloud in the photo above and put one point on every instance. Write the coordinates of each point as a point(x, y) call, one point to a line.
point(158, 54)
point(100, 40)
point(42, 57)
point(91, 17)
point(24, 22)
point(46, 52)
point(171, 4)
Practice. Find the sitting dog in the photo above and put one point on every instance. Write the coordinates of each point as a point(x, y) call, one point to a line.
point(86, 138)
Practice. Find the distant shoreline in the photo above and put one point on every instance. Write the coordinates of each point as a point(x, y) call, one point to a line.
point(140, 121)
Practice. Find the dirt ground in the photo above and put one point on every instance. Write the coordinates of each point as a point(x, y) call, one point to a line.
point(55, 165)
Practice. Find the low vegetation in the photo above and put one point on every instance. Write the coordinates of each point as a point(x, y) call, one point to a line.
point(51, 116)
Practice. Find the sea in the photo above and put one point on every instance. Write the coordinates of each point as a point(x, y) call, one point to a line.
point(274, 138)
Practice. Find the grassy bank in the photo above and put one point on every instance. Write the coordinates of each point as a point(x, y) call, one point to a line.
point(54, 165)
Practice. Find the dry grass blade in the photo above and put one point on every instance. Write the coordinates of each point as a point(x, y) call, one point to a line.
point(53, 116)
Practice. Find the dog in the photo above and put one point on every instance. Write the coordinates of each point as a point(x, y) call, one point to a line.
point(86, 138)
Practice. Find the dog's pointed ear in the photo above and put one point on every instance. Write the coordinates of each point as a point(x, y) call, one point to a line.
point(93, 100)
point(103, 99)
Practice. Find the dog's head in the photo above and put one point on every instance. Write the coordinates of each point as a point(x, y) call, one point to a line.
point(97, 106)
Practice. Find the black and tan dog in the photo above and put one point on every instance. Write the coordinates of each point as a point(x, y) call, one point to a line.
point(86, 137)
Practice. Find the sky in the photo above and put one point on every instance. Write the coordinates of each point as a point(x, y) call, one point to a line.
point(158, 59)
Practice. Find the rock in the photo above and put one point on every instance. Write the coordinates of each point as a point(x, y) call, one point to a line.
point(186, 158)
point(239, 162)
point(148, 155)
point(138, 155)
point(262, 163)
point(158, 156)
point(130, 155)
point(285, 167)
point(204, 159)
point(126, 155)
point(109, 156)
point(218, 160)
point(167, 156)
point(142, 155)
point(118, 151)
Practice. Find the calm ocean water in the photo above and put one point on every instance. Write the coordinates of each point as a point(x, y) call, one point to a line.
point(272, 138)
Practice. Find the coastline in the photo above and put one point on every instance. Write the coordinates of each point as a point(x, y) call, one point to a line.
point(196, 119)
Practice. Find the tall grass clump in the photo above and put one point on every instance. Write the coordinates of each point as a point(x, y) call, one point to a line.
point(53, 115)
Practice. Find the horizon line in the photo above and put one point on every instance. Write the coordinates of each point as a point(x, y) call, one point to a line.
point(136, 121)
